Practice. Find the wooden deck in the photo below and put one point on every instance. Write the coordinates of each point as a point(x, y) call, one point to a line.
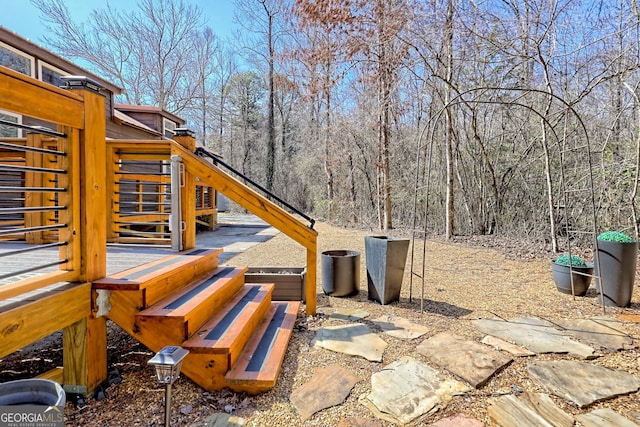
point(235, 231)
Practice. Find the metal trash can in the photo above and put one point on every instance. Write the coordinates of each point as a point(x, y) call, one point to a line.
point(34, 391)
point(340, 272)
point(385, 260)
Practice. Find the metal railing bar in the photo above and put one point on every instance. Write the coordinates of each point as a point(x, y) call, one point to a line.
point(139, 162)
point(141, 223)
point(202, 152)
point(31, 149)
point(9, 168)
point(31, 229)
point(35, 268)
point(139, 182)
point(32, 209)
point(142, 233)
point(32, 189)
point(129, 213)
point(148, 173)
point(142, 193)
point(33, 248)
point(126, 203)
point(35, 129)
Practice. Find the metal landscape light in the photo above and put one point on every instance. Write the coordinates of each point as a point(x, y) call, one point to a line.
point(168, 362)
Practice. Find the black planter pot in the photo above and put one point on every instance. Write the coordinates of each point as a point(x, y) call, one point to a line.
point(616, 267)
point(34, 391)
point(340, 272)
point(581, 278)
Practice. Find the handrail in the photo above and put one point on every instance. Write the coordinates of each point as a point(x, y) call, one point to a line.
point(258, 204)
point(202, 151)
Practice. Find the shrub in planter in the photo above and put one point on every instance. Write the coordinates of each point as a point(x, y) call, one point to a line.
point(615, 260)
point(567, 269)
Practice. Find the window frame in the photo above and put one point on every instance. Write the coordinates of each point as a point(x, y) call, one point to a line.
point(30, 58)
point(42, 64)
point(171, 130)
point(19, 121)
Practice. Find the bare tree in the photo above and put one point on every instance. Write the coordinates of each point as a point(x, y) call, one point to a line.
point(148, 51)
point(259, 19)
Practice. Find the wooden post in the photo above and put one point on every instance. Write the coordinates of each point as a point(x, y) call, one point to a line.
point(34, 199)
point(310, 285)
point(85, 342)
point(112, 192)
point(185, 138)
point(188, 195)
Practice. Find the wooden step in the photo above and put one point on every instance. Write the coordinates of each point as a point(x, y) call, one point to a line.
point(218, 344)
point(178, 316)
point(259, 365)
point(159, 278)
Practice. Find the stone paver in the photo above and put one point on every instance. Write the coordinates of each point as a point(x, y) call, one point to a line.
point(604, 417)
point(400, 327)
point(406, 389)
point(581, 383)
point(473, 362)
point(502, 345)
point(223, 420)
point(353, 339)
point(350, 314)
point(535, 334)
point(527, 410)
point(328, 387)
point(359, 422)
point(458, 420)
point(601, 332)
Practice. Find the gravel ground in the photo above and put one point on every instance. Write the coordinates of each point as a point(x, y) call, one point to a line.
point(464, 280)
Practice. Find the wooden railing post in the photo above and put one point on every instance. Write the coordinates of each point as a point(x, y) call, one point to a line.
point(85, 342)
point(185, 138)
point(34, 199)
point(112, 192)
point(310, 282)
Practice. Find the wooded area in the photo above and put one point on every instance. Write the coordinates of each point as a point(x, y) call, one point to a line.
point(342, 107)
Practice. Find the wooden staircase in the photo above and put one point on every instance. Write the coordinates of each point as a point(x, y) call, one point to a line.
point(237, 337)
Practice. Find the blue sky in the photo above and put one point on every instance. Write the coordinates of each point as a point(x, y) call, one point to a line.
point(23, 18)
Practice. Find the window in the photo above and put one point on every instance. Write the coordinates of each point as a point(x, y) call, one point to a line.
point(16, 60)
point(51, 75)
point(169, 128)
point(7, 131)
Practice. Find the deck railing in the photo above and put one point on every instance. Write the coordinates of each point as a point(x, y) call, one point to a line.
point(34, 203)
point(122, 193)
point(140, 183)
point(39, 184)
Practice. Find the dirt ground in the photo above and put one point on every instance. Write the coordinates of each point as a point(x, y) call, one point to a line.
point(463, 280)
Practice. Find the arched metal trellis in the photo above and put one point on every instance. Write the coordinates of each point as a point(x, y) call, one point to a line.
point(424, 159)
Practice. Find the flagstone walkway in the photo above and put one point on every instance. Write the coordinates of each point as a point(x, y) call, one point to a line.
point(409, 388)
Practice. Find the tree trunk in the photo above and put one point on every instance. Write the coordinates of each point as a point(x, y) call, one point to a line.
point(450, 178)
point(271, 141)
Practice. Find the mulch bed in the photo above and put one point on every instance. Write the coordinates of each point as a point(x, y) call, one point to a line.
point(464, 280)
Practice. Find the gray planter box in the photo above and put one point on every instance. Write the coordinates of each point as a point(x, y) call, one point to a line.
point(385, 259)
point(617, 271)
point(289, 281)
